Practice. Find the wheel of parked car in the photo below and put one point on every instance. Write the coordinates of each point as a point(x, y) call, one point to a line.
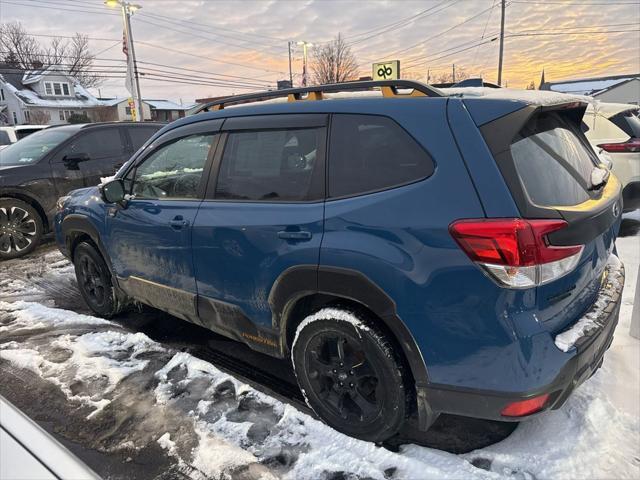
point(349, 374)
point(94, 281)
point(20, 228)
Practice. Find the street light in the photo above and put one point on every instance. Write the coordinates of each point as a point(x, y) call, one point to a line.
point(133, 83)
point(305, 45)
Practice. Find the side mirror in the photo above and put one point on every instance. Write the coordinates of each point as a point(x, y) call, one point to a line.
point(71, 161)
point(113, 191)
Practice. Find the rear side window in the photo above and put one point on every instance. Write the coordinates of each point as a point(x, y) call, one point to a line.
point(628, 122)
point(552, 162)
point(99, 143)
point(270, 165)
point(139, 135)
point(4, 138)
point(370, 153)
point(24, 132)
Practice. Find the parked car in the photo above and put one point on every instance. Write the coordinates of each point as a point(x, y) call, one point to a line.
point(413, 254)
point(615, 129)
point(29, 452)
point(37, 170)
point(11, 134)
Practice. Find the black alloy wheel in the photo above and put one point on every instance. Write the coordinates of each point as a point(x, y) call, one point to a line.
point(94, 281)
point(20, 228)
point(351, 378)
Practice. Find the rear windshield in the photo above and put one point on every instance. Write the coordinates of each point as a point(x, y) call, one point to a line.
point(628, 122)
point(32, 148)
point(553, 164)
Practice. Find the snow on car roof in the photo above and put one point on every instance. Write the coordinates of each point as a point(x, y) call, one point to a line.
point(533, 97)
point(610, 109)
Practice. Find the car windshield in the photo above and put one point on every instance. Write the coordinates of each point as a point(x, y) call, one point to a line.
point(31, 149)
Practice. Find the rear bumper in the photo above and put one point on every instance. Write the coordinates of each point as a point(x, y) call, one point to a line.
point(585, 344)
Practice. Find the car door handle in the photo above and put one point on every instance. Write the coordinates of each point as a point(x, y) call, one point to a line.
point(295, 235)
point(178, 223)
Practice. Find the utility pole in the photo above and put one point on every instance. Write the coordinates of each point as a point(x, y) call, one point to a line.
point(305, 45)
point(290, 72)
point(453, 75)
point(133, 77)
point(503, 7)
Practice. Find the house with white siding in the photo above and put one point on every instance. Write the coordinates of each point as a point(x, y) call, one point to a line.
point(46, 96)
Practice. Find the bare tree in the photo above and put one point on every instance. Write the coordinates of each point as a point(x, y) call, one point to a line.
point(23, 52)
point(448, 77)
point(39, 117)
point(19, 47)
point(104, 114)
point(333, 62)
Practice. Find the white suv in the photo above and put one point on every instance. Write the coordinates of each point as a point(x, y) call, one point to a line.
point(614, 128)
point(9, 135)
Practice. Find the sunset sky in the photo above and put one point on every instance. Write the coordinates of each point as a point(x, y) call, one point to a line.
point(239, 46)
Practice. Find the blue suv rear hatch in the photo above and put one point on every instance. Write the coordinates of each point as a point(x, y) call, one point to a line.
point(557, 183)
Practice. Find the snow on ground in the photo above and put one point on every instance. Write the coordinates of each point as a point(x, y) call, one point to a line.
point(216, 426)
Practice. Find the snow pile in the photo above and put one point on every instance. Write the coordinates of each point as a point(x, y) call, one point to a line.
point(227, 429)
point(593, 319)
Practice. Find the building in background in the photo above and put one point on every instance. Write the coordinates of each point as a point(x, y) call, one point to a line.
point(613, 88)
point(118, 109)
point(45, 97)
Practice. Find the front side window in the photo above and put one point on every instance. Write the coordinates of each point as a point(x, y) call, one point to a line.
point(174, 170)
point(270, 165)
point(57, 90)
point(370, 153)
point(553, 164)
point(65, 88)
point(48, 88)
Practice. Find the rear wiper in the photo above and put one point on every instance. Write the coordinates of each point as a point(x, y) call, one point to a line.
point(599, 177)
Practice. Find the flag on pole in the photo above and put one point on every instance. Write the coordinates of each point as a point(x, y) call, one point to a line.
point(125, 49)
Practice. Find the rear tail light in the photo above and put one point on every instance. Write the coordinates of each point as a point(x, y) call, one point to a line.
point(516, 252)
point(525, 407)
point(630, 146)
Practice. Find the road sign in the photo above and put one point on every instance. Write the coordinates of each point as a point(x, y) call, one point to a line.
point(386, 70)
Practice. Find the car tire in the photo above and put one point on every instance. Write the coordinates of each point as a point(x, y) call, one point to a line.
point(94, 281)
point(20, 228)
point(350, 375)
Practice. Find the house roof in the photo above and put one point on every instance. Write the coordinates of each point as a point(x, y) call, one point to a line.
point(154, 104)
point(19, 82)
point(588, 86)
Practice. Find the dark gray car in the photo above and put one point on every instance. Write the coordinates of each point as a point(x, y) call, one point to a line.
point(46, 165)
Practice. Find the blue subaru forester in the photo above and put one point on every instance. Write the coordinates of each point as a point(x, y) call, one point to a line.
point(413, 254)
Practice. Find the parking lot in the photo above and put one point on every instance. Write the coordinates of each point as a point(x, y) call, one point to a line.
point(149, 396)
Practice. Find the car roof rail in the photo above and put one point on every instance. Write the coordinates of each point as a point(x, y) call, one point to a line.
point(389, 88)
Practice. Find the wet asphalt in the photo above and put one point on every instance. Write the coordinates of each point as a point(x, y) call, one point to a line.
point(48, 406)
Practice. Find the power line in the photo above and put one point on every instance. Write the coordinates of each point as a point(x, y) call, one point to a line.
point(57, 7)
point(533, 2)
point(192, 22)
point(406, 21)
point(162, 47)
point(421, 42)
point(191, 34)
point(116, 74)
point(60, 67)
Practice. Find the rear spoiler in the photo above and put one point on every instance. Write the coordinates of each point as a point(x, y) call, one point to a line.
point(499, 133)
